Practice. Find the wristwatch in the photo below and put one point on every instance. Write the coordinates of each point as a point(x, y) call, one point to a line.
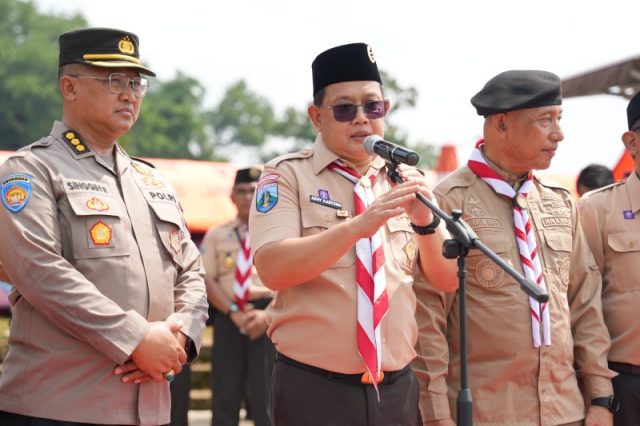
point(429, 229)
point(610, 402)
point(233, 307)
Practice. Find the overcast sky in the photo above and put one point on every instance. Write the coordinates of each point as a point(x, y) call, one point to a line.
point(447, 50)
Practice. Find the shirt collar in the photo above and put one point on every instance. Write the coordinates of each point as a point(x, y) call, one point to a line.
point(323, 156)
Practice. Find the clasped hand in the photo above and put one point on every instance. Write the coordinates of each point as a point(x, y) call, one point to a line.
point(161, 351)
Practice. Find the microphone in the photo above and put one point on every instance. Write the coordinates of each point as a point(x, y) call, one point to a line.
point(374, 144)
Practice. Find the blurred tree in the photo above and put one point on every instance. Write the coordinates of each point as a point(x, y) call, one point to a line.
point(172, 122)
point(28, 71)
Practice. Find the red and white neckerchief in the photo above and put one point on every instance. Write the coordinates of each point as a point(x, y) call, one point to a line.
point(524, 236)
point(371, 279)
point(244, 262)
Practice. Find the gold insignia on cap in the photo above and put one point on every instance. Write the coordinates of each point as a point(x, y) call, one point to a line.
point(372, 57)
point(126, 46)
point(254, 173)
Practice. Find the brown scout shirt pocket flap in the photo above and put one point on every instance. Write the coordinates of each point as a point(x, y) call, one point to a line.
point(558, 241)
point(321, 218)
point(624, 241)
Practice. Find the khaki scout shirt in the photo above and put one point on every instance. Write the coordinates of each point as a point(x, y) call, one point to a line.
point(94, 255)
point(219, 249)
point(315, 322)
point(512, 382)
point(611, 220)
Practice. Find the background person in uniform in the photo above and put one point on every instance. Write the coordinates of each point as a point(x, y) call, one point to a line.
point(343, 316)
point(524, 359)
point(242, 353)
point(611, 221)
point(109, 294)
point(592, 177)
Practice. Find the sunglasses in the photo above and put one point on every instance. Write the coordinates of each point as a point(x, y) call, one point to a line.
point(347, 112)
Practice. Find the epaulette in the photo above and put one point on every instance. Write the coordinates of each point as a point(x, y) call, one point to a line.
point(73, 139)
point(460, 178)
point(140, 160)
point(550, 183)
point(303, 153)
point(603, 189)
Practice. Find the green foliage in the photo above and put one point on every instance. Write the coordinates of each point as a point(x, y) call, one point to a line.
point(172, 122)
point(28, 71)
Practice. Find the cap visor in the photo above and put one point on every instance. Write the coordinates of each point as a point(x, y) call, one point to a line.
point(121, 64)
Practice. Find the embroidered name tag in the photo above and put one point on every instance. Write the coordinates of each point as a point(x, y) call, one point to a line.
point(551, 221)
point(329, 203)
point(484, 222)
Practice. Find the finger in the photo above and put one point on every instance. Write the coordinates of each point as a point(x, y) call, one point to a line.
point(175, 326)
point(141, 380)
point(133, 376)
point(125, 368)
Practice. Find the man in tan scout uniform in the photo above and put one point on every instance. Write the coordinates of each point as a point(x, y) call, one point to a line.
point(524, 359)
point(343, 316)
point(241, 353)
point(109, 296)
point(611, 222)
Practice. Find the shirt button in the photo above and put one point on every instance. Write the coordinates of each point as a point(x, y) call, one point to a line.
point(383, 340)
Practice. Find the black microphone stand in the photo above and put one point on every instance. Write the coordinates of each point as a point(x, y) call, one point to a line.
point(465, 239)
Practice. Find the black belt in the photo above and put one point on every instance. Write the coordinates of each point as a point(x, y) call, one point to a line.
point(355, 379)
point(623, 368)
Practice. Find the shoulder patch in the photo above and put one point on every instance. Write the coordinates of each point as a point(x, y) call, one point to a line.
point(266, 196)
point(303, 153)
point(550, 183)
point(15, 191)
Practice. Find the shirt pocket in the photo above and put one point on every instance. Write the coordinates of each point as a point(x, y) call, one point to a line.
point(557, 258)
point(97, 228)
point(626, 255)
point(402, 243)
point(487, 283)
point(318, 219)
point(169, 228)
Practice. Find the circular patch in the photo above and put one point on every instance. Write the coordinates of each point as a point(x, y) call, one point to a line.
point(488, 273)
point(565, 266)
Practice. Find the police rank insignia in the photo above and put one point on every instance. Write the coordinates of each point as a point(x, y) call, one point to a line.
point(266, 197)
point(75, 143)
point(97, 204)
point(16, 192)
point(100, 234)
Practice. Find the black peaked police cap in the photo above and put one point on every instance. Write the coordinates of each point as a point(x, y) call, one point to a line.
point(101, 47)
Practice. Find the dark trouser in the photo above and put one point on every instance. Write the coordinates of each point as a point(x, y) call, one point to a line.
point(180, 388)
point(301, 397)
point(626, 387)
point(11, 419)
point(236, 360)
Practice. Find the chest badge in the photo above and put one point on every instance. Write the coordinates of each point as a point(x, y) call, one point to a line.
point(628, 214)
point(97, 204)
point(175, 240)
point(100, 234)
point(228, 261)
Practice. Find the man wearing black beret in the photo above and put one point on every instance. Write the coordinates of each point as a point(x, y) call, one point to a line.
point(335, 240)
point(525, 358)
point(611, 220)
point(109, 298)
